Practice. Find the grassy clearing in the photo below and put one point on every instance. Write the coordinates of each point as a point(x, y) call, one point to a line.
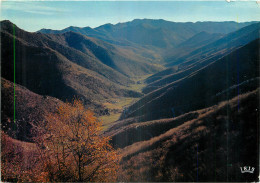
point(116, 105)
point(119, 103)
point(109, 120)
point(139, 84)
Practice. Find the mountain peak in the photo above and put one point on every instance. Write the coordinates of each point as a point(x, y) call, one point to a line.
point(6, 23)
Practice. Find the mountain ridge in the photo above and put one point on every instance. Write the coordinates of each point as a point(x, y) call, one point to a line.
point(47, 66)
point(124, 32)
point(155, 104)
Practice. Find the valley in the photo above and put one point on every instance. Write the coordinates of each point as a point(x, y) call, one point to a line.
point(177, 99)
point(116, 106)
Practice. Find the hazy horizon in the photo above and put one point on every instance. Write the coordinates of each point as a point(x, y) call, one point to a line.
point(35, 15)
point(148, 19)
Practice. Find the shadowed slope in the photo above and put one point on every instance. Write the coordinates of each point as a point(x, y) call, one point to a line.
point(121, 59)
point(195, 42)
point(187, 61)
point(221, 46)
point(47, 72)
point(200, 88)
point(211, 147)
point(49, 67)
point(29, 107)
point(59, 44)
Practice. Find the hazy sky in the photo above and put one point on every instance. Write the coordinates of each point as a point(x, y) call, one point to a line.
point(34, 15)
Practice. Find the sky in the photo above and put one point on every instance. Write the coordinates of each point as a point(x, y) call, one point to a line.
point(35, 15)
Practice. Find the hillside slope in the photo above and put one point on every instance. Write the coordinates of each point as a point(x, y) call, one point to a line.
point(200, 89)
point(49, 66)
point(29, 108)
point(195, 42)
point(221, 46)
point(210, 147)
point(198, 53)
point(121, 59)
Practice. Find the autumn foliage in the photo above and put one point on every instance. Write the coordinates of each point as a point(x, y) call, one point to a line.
point(70, 147)
point(73, 147)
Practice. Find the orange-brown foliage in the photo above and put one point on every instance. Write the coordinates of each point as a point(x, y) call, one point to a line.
point(73, 148)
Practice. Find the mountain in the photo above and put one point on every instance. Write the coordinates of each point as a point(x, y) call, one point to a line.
point(57, 43)
point(202, 38)
point(206, 147)
point(226, 44)
point(84, 30)
point(187, 94)
point(110, 55)
point(202, 57)
point(70, 64)
point(227, 77)
point(124, 134)
point(197, 41)
point(29, 107)
point(156, 33)
point(87, 52)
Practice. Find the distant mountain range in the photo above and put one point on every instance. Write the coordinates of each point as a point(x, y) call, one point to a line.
point(148, 32)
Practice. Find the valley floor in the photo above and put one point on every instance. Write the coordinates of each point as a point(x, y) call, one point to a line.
point(116, 106)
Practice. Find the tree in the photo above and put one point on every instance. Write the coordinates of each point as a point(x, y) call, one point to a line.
point(73, 148)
